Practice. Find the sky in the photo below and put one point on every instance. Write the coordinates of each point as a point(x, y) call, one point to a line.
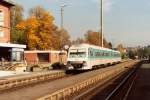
point(125, 21)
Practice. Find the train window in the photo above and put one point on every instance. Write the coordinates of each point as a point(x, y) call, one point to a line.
point(101, 53)
point(1, 17)
point(90, 53)
point(77, 54)
point(107, 53)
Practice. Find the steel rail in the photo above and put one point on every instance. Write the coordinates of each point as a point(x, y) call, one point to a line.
point(130, 87)
point(121, 84)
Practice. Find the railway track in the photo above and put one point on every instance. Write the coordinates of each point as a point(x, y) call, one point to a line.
point(122, 90)
point(116, 89)
point(76, 91)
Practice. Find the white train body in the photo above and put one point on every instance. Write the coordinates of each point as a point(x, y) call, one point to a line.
point(85, 56)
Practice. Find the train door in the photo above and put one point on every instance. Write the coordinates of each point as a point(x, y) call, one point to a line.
point(89, 58)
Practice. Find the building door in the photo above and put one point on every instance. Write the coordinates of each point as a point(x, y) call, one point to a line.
point(43, 57)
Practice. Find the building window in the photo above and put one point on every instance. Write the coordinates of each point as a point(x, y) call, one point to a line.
point(43, 57)
point(1, 23)
point(17, 55)
point(1, 33)
point(1, 18)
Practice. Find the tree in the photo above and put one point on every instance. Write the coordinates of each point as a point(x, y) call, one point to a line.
point(17, 36)
point(37, 12)
point(45, 31)
point(106, 44)
point(78, 41)
point(40, 31)
point(64, 38)
point(60, 39)
point(122, 50)
point(30, 27)
point(131, 54)
point(95, 39)
point(92, 38)
point(143, 52)
point(110, 45)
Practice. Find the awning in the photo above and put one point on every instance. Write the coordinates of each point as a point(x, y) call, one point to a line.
point(9, 2)
point(12, 45)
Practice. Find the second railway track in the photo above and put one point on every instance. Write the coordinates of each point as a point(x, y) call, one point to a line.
point(123, 88)
point(117, 88)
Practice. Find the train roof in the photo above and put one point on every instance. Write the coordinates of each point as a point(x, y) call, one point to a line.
point(93, 46)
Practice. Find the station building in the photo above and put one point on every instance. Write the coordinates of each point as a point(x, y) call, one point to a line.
point(43, 57)
point(8, 51)
point(15, 52)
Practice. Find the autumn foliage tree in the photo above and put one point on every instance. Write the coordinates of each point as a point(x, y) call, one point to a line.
point(78, 41)
point(41, 32)
point(94, 38)
point(17, 36)
point(60, 38)
point(30, 27)
point(121, 48)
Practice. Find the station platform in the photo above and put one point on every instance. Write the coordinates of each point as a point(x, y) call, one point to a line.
point(11, 73)
point(7, 75)
point(141, 86)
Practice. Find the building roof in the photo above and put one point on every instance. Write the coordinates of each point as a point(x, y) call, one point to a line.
point(9, 45)
point(9, 2)
point(44, 51)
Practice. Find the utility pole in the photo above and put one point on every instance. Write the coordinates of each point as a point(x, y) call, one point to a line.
point(101, 23)
point(62, 16)
point(62, 22)
point(62, 28)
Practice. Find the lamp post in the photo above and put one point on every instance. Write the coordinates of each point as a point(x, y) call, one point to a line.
point(101, 23)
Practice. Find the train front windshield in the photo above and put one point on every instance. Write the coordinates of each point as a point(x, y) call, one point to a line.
point(77, 53)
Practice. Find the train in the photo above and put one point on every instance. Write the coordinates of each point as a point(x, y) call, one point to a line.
point(87, 57)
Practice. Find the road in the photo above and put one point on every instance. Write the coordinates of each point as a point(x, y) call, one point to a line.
point(141, 87)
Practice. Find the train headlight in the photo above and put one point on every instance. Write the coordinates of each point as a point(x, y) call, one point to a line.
point(69, 66)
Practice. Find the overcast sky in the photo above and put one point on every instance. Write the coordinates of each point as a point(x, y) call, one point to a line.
point(125, 21)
